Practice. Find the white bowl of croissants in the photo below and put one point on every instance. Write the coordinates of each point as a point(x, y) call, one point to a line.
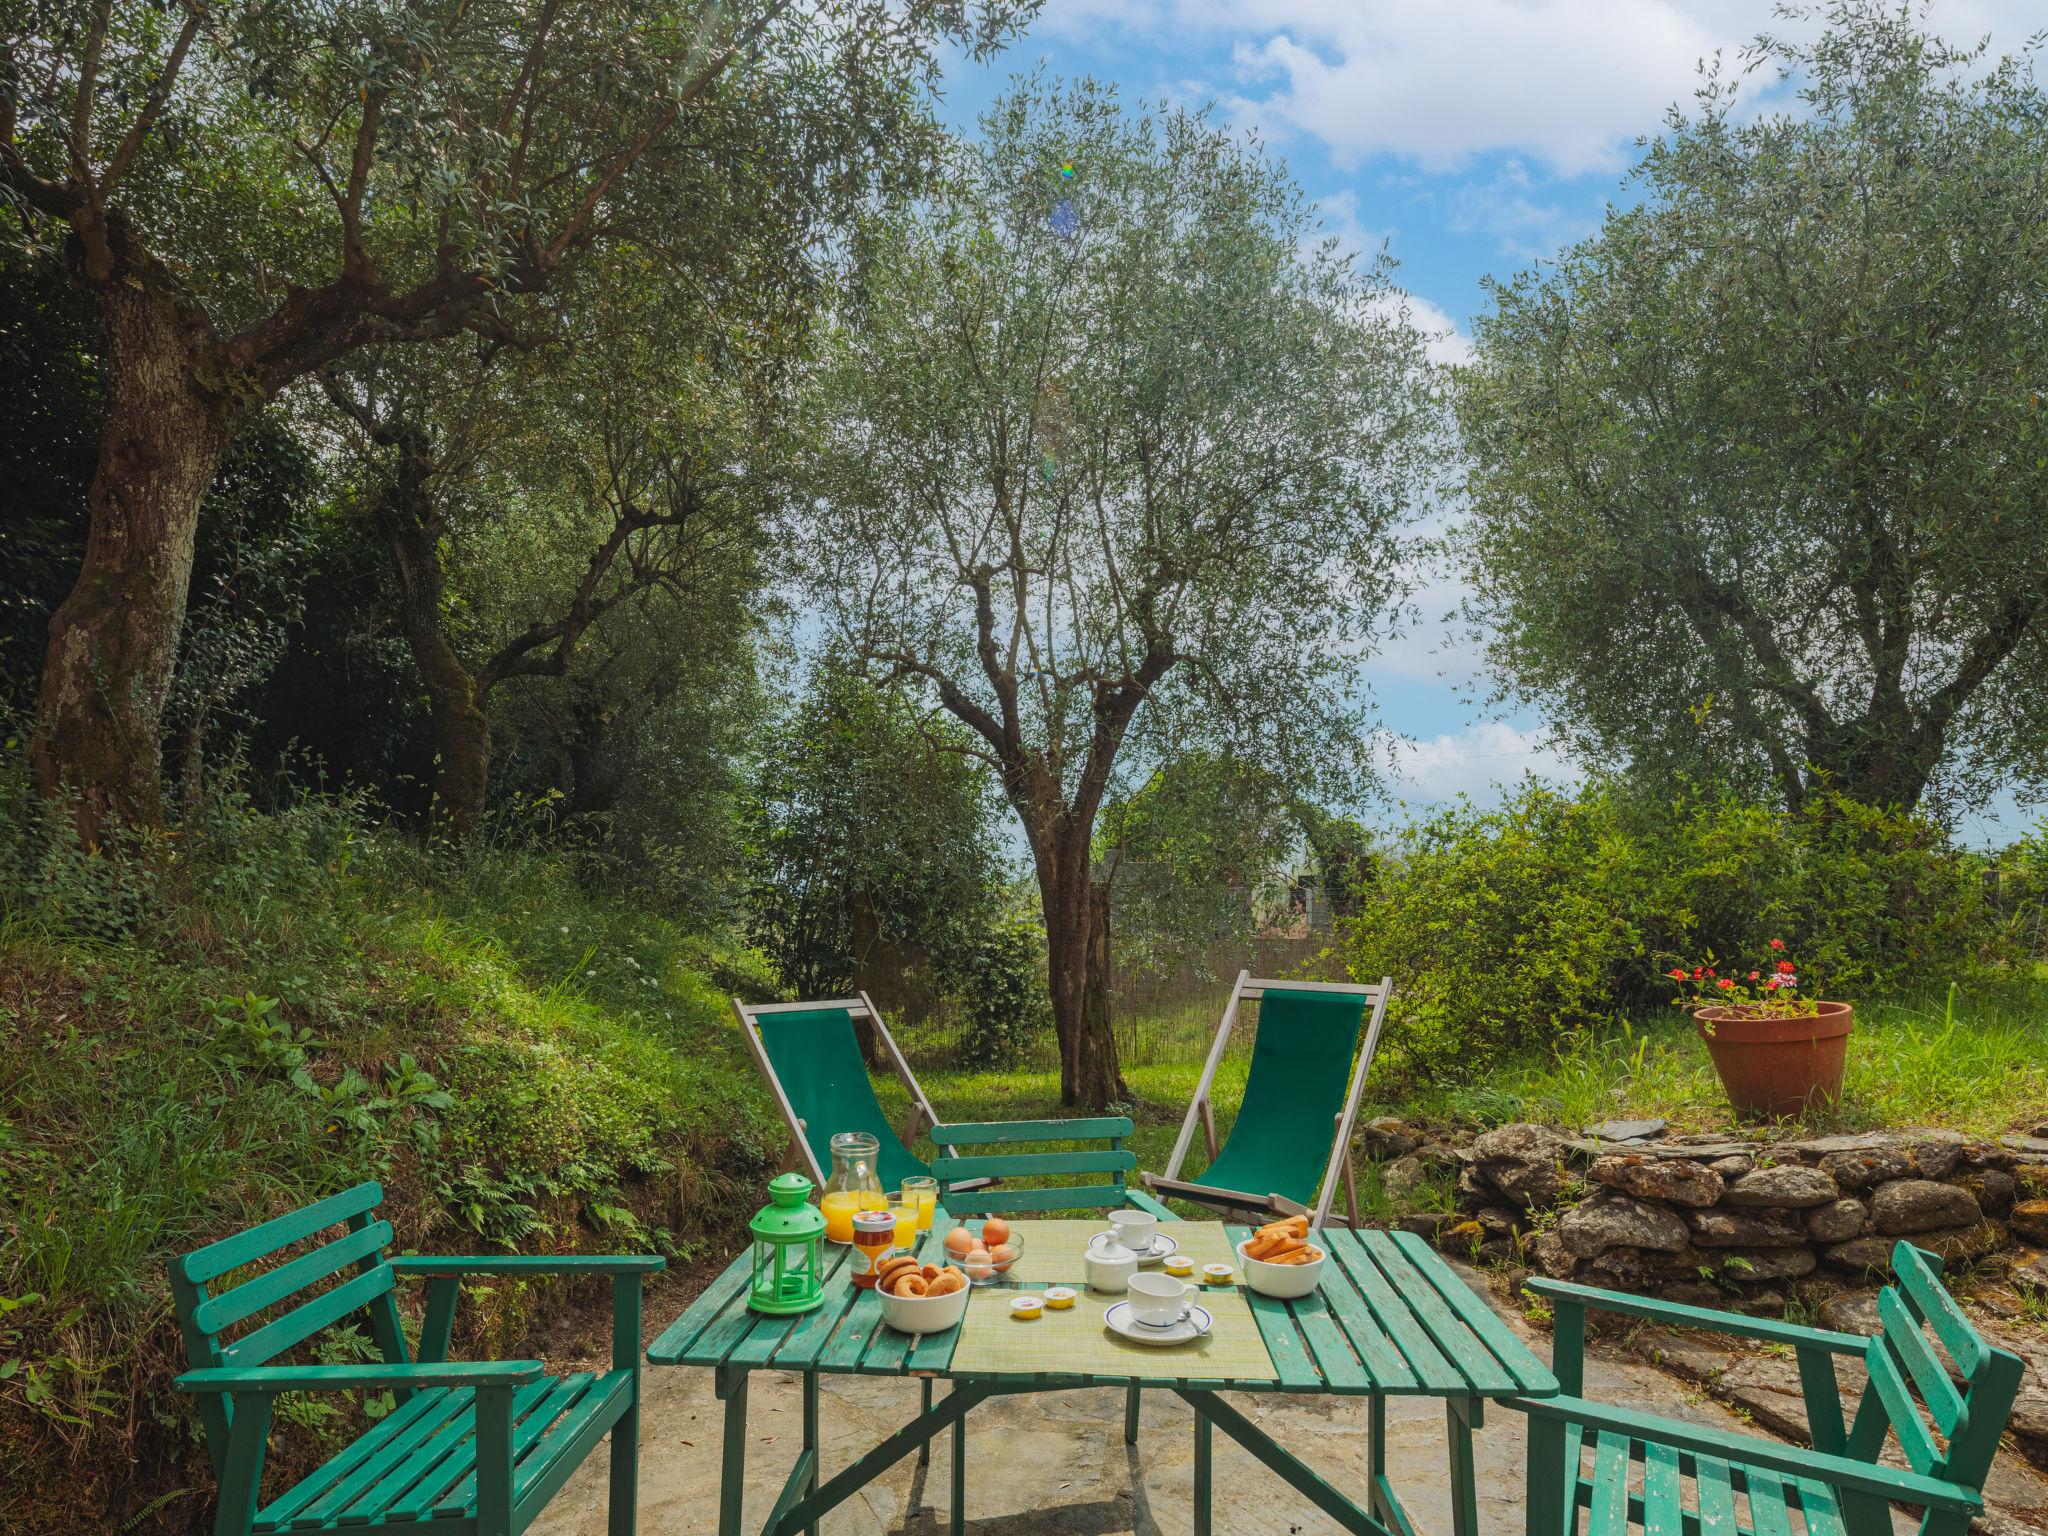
point(921, 1298)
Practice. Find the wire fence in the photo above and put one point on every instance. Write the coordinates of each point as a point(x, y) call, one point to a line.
point(1159, 1014)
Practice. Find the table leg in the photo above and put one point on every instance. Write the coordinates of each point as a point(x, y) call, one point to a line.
point(732, 1475)
point(1376, 1453)
point(1131, 1414)
point(958, 1514)
point(924, 1452)
point(811, 1438)
point(1204, 1436)
point(1303, 1479)
point(1461, 1416)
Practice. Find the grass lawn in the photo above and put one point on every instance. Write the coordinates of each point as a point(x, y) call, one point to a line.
point(1976, 1062)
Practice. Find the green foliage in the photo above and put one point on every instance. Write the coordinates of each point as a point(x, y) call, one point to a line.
point(873, 832)
point(1510, 928)
point(1196, 853)
point(1499, 927)
point(304, 1000)
point(1000, 978)
point(1758, 469)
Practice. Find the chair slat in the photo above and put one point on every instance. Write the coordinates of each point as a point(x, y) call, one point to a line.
point(531, 1416)
point(1910, 1348)
point(302, 1322)
point(216, 1259)
point(1930, 1298)
point(1079, 1197)
point(1767, 1513)
point(1019, 1165)
point(409, 1422)
point(1914, 1440)
point(1817, 1502)
point(1663, 1492)
point(1717, 1497)
point(998, 1132)
point(1609, 1514)
point(448, 1417)
point(271, 1287)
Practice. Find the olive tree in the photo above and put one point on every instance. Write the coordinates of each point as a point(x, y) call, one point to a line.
point(248, 193)
point(1759, 482)
point(1116, 446)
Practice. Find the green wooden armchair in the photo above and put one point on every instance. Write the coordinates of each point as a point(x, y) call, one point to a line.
point(1640, 1464)
point(472, 1447)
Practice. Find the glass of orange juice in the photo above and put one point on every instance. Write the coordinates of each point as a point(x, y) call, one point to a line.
point(921, 1192)
point(906, 1226)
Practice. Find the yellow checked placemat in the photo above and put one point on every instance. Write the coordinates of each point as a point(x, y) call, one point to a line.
point(1053, 1249)
point(1077, 1340)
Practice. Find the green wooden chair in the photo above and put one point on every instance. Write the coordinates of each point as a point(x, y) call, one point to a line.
point(471, 1447)
point(811, 1058)
point(1291, 1140)
point(1640, 1464)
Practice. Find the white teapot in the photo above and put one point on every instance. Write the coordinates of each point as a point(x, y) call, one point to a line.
point(1110, 1264)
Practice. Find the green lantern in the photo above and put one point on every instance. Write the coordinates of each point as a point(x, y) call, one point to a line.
point(789, 1236)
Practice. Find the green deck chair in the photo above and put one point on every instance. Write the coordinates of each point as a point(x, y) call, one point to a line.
point(1292, 1136)
point(811, 1057)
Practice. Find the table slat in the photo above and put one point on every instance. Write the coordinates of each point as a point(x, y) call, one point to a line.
point(1390, 1373)
point(1529, 1372)
point(1473, 1360)
point(1432, 1371)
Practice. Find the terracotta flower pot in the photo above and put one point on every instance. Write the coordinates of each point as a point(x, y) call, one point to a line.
point(1778, 1066)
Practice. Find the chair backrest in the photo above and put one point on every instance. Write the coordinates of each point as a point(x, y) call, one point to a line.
point(1113, 1160)
point(1956, 1433)
point(1301, 1090)
point(811, 1057)
point(265, 1314)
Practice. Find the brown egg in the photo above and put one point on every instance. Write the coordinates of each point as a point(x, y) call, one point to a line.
point(976, 1255)
point(995, 1230)
point(959, 1241)
point(1001, 1254)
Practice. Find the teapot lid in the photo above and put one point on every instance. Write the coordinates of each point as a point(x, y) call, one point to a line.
point(1104, 1245)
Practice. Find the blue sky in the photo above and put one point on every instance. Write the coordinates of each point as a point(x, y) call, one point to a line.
point(1473, 137)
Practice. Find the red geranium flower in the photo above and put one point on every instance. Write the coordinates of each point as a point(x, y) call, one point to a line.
point(1725, 982)
point(1786, 967)
point(1777, 943)
point(1698, 972)
point(1676, 973)
point(1752, 975)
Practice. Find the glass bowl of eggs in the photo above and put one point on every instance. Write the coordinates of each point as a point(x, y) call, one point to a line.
point(985, 1250)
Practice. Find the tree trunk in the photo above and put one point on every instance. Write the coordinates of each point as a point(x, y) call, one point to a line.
point(114, 640)
point(1077, 966)
point(462, 732)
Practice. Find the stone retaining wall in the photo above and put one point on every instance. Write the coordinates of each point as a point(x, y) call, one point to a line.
point(1701, 1218)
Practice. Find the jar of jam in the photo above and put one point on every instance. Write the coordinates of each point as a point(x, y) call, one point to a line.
point(874, 1238)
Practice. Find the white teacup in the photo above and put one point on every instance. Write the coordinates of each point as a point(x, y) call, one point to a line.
point(1159, 1301)
point(1135, 1229)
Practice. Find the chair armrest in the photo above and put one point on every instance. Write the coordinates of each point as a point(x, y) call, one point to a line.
point(340, 1378)
point(1764, 1329)
point(1792, 1460)
point(1145, 1202)
point(531, 1264)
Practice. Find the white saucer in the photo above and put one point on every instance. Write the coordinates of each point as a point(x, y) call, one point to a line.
point(1195, 1325)
point(1163, 1247)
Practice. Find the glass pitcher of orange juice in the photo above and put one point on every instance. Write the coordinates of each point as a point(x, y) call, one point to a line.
point(853, 1185)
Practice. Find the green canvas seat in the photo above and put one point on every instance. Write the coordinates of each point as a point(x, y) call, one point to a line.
point(1291, 1140)
point(1600, 1471)
point(810, 1055)
point(470, 1447)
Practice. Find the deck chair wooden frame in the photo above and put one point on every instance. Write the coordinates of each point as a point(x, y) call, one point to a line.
point(801, 1159)
point(1202, 1112)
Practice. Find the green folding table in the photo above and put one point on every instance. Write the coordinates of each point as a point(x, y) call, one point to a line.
point(1389, 1319)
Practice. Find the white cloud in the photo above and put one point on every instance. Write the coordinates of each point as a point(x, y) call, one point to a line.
point(1568, 83)
point(1476, 761)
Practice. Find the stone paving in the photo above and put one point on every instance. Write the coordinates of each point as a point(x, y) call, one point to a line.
point(1056, 1464)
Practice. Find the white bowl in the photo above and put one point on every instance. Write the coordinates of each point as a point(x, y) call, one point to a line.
point(1284, 1282)
point(925, 1314)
